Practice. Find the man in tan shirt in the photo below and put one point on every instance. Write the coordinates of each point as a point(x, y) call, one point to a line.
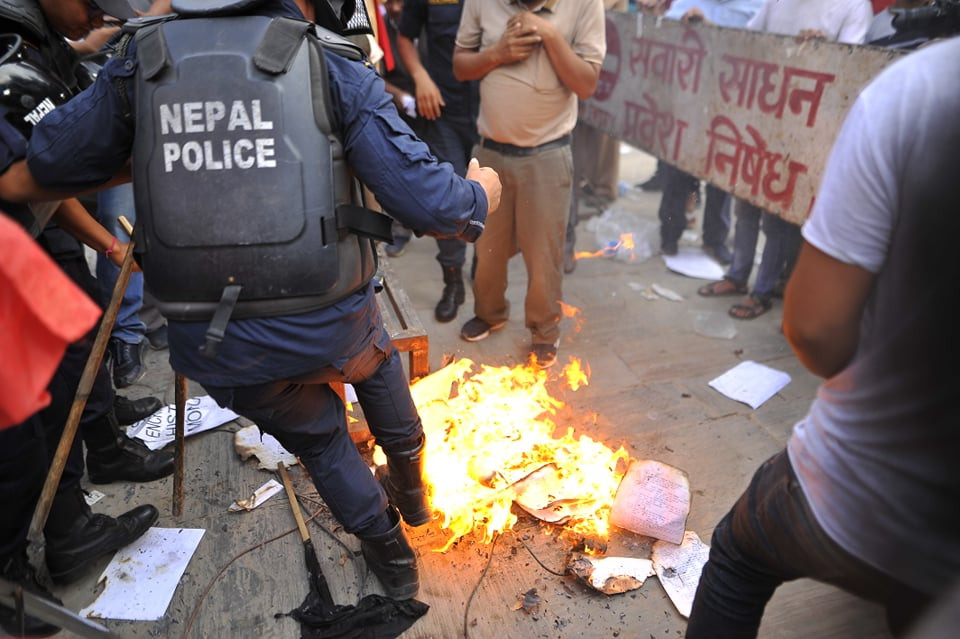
point(533, 58)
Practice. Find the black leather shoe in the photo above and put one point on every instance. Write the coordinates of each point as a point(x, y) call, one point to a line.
point(129, 411)
point(18, 572)
point(453, 294)
point(127, 459)
point(93, 536)
point(127, 362)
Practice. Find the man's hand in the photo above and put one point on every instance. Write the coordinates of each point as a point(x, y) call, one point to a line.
point(521, 38)
point(429, 100)
point(806, 35)
point(693, 16)
point(489, 180)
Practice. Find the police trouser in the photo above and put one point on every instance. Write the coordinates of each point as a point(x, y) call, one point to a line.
point(308, 418)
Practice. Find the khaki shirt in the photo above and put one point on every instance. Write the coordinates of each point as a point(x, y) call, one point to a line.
point(525, 103)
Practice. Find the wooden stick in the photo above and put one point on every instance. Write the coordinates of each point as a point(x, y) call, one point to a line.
point(294, 504)
point(180, 399)
point(35, 546)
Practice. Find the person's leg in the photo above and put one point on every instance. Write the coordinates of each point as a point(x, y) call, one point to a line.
point(745, 237)
point(771, 536)
point(716, 223)
point(451, 142)
point(309, 420)
point(384, 395)
point(604, 170)
point(126, 338)
point(543, 193)
point(23, 463)
point(496, 246)
point(677, 186)
point(781, 238)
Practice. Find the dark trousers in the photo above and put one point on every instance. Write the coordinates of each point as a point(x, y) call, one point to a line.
point(771, 536)
point(307, 417)
point(451, 140)
point(23, 467)
point(678, 185)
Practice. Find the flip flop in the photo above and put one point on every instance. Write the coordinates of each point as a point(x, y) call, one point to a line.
point(710, 290)
point(754, 307)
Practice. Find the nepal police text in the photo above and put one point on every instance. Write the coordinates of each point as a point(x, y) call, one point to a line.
point(216, 152)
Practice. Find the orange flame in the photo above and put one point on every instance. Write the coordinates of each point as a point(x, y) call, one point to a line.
point(573, 313)
point(625, 246)
point(489, 427)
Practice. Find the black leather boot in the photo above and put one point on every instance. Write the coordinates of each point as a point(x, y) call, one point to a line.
point(130, 411)
point(392, 560)
point(453, 294)
point(402, 479)
point(112, 456)
point(19, 573)
point(76, 537)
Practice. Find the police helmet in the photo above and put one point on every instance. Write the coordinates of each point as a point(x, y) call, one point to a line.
point(27, 91)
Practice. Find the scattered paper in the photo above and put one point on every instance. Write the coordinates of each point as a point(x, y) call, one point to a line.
point(92, 496)
point(259, 496)
point(751, 383)
point(679, 567)
point(248, 442)
point(142, 577)
point(200, 414)
point(693, 262)
point(666, 293)
point(612, 575)
point(654, 500)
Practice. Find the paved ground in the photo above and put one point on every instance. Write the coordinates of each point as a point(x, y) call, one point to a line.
point(650, 362)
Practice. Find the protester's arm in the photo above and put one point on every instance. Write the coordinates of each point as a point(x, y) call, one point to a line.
point(822, 310)
point(74, 218)
point(429, 99)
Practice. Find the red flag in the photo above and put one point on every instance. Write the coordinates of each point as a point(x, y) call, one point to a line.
point(41, 311)
point(383, 39)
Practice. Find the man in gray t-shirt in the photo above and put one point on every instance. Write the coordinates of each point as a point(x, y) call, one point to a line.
point(866, 494)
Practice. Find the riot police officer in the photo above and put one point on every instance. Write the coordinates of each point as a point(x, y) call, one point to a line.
point(272, 173)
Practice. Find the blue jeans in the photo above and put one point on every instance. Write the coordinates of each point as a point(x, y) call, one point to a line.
point(307, 417)
point(779, 252)
point(677, 188)
point(771, 536)
point(111, 204)
point(451, 140)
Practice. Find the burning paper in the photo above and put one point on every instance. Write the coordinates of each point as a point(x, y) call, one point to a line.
point(654, 500)
point(487, 428)
point(248, 442)
point(612, 575)
point(200, 414)
point(679, 567)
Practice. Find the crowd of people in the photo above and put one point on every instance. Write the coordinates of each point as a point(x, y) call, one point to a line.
point(458, 119)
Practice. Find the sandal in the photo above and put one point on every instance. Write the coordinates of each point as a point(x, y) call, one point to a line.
point(722, 288)
point(752, 308)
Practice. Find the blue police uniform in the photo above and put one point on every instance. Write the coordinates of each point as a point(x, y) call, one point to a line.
point(275, 370)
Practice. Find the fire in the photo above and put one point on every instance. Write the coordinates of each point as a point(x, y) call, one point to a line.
point(625, 248)
point(573, 313)
point(488, 428)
